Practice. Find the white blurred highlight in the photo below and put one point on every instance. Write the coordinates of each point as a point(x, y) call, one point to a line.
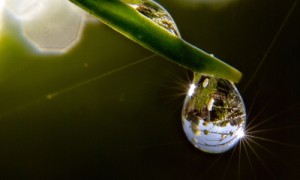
point(51, 26)
point(1, 5)
point(192, 89)
point(240, 133)
point(1, 15)
point(24, 8)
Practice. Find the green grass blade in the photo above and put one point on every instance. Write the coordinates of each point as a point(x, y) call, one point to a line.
point(129, 22)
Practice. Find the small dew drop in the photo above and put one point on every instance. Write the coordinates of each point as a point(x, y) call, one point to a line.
point(157, 14)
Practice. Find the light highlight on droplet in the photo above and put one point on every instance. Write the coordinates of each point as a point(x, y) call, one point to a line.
point(191, 90)
point(241, 133)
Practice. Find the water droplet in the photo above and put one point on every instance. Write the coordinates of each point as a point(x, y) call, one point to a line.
point(214, 115)
point(157, 14)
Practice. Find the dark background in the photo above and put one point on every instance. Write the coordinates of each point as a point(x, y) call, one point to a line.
point(127, 125)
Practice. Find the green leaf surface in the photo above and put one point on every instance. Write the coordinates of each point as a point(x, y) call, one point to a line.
point(129, 22)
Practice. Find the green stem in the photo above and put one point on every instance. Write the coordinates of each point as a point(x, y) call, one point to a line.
point(129, 22)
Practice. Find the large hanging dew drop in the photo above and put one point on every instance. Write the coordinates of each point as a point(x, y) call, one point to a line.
point(213, 115)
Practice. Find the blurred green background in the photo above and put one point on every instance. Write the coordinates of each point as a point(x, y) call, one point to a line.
point(127, 125)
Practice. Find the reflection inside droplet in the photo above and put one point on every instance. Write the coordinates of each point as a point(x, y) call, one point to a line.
point(213, 116)
point(156, 13)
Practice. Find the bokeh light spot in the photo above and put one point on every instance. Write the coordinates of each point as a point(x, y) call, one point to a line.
point(51, 26)
point(57, 31)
